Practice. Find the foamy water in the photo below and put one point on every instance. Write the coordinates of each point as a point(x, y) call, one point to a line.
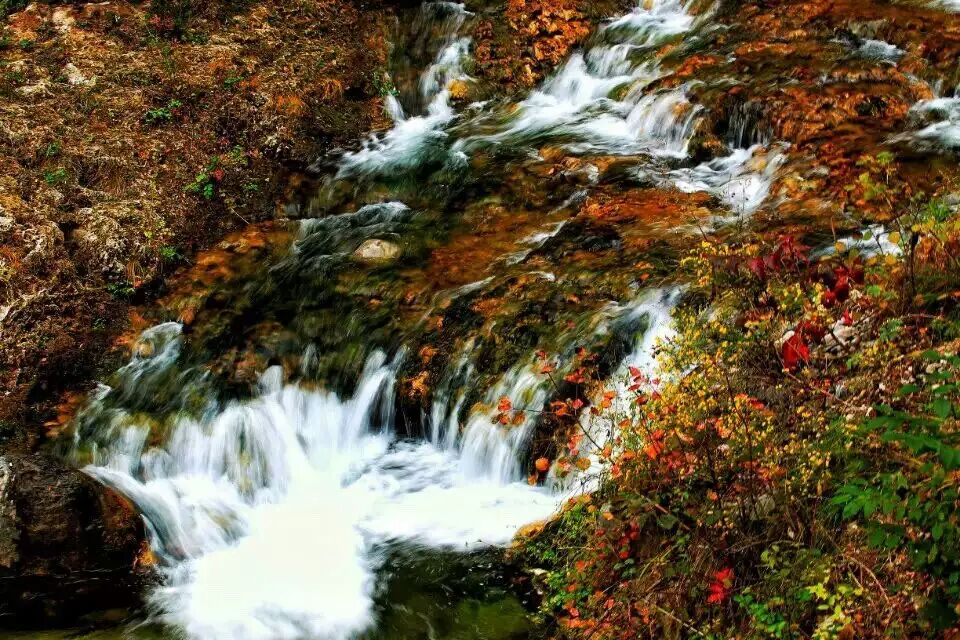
point(270, 515)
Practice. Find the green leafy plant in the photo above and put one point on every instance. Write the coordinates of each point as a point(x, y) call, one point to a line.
point(170, 253)
point(767, 622)
point(162, 114)
point(204, 183)
point(52, 149)
point(912, 503)
point(56, 176)
point(122, 290)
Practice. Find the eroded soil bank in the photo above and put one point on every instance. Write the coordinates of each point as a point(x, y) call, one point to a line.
point(135, 134)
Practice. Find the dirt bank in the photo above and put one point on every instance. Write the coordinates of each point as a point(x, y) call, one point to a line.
point(134, 134)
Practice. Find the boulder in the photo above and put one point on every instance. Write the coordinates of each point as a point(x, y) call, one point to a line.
point(376, 250)
point(69, 546)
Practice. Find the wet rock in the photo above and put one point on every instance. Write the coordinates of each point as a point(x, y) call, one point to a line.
point(68, 545)
point(376, 251)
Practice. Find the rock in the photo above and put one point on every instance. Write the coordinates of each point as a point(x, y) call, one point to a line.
point(41, 88)
point(76, 78)
point(100, 242)
point(45, 242)
point(63, 20)
point(69, 546)
point(6, 225)
point(376, 250)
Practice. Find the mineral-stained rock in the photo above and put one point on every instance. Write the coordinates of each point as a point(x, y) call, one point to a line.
point(68, 545)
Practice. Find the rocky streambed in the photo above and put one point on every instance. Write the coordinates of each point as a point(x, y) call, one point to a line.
point(308, 421)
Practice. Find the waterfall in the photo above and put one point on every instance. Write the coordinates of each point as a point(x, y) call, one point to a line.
point(272, 516)
point(408, 144)
point(575, 107)
point(741, 180)
point(255, 508)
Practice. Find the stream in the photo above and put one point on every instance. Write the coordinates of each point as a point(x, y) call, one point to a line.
point(315, 450)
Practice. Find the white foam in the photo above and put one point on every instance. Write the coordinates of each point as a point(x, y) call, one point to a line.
point(879, 50)
point(269, 514)
point(942, 128)
point(578, 105)
point(741, 180)
point(874, 240)
point(413, 139)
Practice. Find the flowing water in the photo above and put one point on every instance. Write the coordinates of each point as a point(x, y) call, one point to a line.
point(295, 480)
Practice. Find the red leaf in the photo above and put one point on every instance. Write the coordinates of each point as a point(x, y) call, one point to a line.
point(795, 351)
point(758, 268)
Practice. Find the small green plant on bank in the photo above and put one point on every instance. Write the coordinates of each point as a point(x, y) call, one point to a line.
point(170, 253)
point(232, 81)
point(205, 183)
point(52, 149)
point(911, 503)
point(238, 155)
point(55, 177)
point(162, 114)
point(383, 83)
point(765, 620)
point(122, 290)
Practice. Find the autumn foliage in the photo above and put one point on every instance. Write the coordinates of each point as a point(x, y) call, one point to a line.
point(792, 473)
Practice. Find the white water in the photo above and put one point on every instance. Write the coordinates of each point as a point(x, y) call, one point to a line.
point(270, 515)
point(741, 180)
point(874, 240)
point(653, 310)
point(879, 50)
point(940, 118)
point(577, 105)
point(404, 146)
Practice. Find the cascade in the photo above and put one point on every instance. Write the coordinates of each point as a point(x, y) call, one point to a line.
point(274, 516)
